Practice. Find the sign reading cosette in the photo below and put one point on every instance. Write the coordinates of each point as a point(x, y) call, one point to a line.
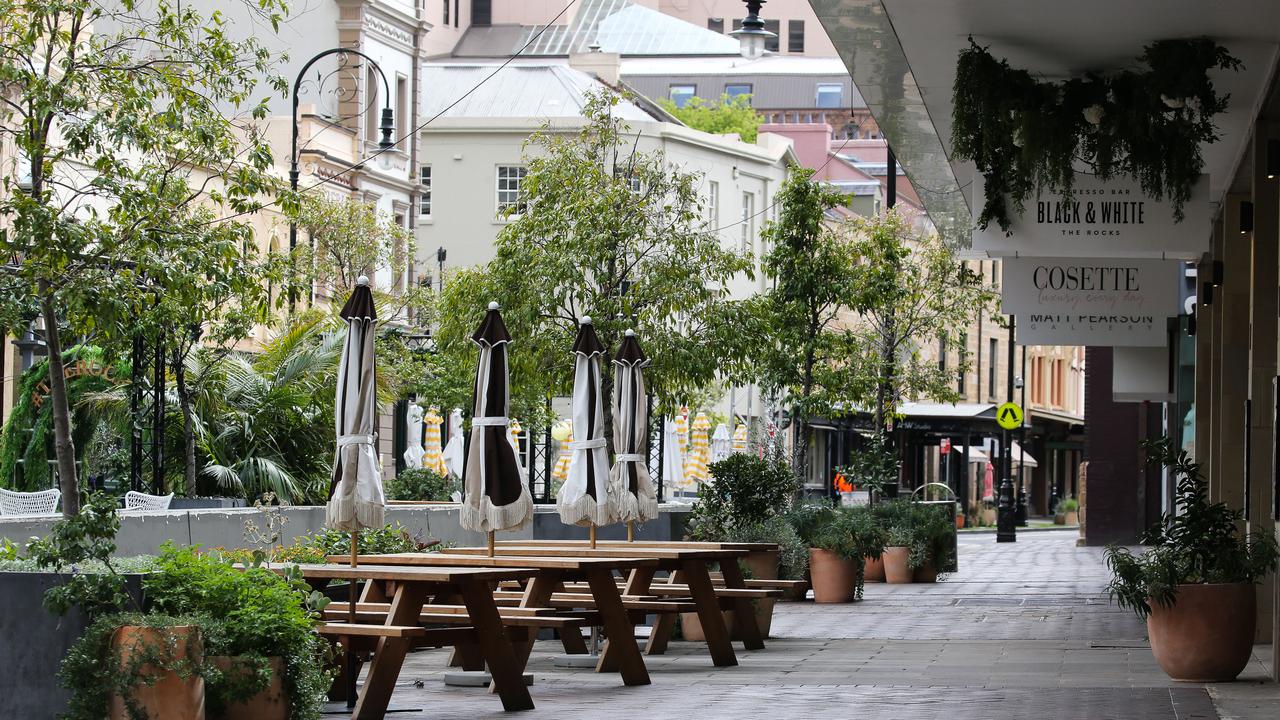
point(1101, 219)
point(1094, 301)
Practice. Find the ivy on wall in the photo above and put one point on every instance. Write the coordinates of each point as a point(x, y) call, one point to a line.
point(1026, 135)
point(26, 441)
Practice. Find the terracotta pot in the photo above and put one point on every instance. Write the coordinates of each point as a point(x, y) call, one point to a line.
point(763, 565)
point(270, 703)
point(1059, 519)
point(1071, 518)
point(875, 570)
point(926, 573)
point(896, 571)
point(959, 520)
point(988, 516)
point(172, 696)
point(1207, 635)
point(834, 578)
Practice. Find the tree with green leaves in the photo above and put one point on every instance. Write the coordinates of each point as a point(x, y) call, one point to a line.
point(606, 232)
point(798, 331)
point(914, 293)
point(729, 114)
point(126, 116)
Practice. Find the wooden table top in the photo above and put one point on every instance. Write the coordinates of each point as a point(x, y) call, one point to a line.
point(435, 559)
point(673, 544)
point(410, 573)
point(549, 551)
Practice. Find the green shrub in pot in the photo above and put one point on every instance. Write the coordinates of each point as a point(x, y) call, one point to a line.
point(852, 533)
point(747, 490)
point(793, 553)
point(421, 484)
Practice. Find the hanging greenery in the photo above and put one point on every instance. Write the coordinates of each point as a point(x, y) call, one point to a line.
point(1026, 135)
point(26, 440)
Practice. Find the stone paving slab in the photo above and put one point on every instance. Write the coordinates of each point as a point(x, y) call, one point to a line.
point(1054, 648)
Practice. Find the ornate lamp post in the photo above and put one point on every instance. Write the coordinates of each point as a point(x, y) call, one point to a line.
point(386, 126)
point(752, 36)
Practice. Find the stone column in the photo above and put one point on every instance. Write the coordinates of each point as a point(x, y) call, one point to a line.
point(1212, 449)
point(1232, 368)
point(1206, 320)
point(1262, 356)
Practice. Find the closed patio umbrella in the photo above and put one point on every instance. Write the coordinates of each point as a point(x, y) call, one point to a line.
point(630, 479)
point(695, 467)
point(356, 499)
point(721, 443)
point(740, 438)
point(432, 454)
point(413, 437)
point(454, 453)
point(560, 472)
point(672, 458)
point(584, 498)
point(494, 494)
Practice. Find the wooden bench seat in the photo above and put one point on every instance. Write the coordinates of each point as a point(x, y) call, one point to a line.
point(677, 590)
point(337, 629)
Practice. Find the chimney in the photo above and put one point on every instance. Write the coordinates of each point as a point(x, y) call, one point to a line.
point(607, 67)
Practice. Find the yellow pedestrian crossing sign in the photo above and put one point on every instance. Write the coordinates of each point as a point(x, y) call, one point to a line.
point(1009, 416)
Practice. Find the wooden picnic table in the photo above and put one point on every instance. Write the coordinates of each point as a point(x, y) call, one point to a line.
point(412, 587)
point(688, 565)
point(552, 572)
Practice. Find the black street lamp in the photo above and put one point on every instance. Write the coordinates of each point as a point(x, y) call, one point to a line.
point(440, 256)
point(1006, 509)
point(386, 126)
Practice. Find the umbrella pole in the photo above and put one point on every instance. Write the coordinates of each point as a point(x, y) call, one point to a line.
point(351, 618)
point(631, 531)
point(593, 536)
point(490, 543)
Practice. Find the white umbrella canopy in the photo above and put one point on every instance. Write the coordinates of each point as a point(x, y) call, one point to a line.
point(672, 458)
point(721, 443)
point(494, 494)
point(413, 437)
point(585, 497)
point(356, 499)
point(454, 452)
point(630, 480)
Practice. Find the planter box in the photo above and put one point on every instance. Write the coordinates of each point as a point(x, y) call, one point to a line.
point(35, 642)
point(206, 503)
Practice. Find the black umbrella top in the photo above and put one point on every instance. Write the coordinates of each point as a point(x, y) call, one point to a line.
point(587, 342)
point(360, 304)
point(492, 330)
point(629, 352)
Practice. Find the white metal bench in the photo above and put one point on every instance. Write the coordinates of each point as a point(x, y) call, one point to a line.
point(44, 502)
point(134, 500)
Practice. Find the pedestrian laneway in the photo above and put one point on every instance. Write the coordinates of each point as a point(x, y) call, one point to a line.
point(1024, 630)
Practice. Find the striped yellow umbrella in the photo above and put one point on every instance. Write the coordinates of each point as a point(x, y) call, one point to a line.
point(740, 438)
point(515, 431)
point(433, 454)
point(682, 431)
point(561, 471)
point(695, 466)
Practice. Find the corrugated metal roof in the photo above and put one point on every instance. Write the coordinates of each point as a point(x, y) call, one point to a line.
point(618, 26)
point(735, 64)
point(542, 91)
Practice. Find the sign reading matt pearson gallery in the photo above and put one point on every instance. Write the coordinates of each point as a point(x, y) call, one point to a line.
point(1090, 301)
point(1100, 219)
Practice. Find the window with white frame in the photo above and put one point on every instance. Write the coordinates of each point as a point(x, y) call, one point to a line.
point(713, 204)
point(424, 191)
point(748, 220)
point(510, 195)
point(682, 94)
point(830, 95)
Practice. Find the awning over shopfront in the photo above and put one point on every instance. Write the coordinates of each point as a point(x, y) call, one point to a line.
point(902, 57)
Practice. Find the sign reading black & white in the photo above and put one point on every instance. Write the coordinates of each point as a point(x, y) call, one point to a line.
point(1090, 301)
point(1100, 219)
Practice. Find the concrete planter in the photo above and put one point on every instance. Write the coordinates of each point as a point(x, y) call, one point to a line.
point(206, 503)
point(35, 641)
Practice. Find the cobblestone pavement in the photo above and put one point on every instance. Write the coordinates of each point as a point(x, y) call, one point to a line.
point(1022, 631)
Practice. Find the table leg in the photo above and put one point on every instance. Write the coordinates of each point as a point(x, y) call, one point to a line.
point(536, 595)
point(384, 670)
point(665, 624)
point(620, 652)
point(704, 596)
point(744, 611)
point(508, 678)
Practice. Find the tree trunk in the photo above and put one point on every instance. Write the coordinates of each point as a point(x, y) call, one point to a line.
point(188, 425)
point(64, 448)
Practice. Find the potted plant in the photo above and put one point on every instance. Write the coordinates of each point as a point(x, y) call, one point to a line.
point(931, 541)
point(420, 485)
point(1195, 584)
point(840, 544)
point(1067, 512)
point(747, 503)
